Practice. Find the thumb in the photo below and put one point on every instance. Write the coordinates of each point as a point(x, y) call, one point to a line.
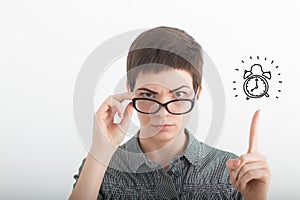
point(233, 163)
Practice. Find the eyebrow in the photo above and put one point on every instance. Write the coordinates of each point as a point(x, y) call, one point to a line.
point(183, 86)
point(146, 89)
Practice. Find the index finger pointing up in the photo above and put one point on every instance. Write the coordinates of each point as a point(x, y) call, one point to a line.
point(253, 139)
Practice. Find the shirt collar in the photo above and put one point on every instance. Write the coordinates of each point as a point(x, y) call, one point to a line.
point(137, 158)
point(193, 150)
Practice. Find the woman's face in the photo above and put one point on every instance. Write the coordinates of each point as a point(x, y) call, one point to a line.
point(163, 87)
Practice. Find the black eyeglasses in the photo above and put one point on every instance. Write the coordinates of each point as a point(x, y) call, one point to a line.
point(175, 107)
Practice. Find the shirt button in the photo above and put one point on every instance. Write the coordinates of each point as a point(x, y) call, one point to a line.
point(177, 173)
point(170, 173)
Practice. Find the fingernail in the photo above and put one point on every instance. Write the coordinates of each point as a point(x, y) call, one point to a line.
point(131, 96)
point(237, 163)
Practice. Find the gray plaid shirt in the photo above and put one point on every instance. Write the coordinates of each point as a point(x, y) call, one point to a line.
point(198, 173)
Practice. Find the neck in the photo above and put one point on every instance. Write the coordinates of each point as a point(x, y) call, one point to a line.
point(163, 152)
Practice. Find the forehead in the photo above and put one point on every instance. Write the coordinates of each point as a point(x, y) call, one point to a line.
point(169, 79)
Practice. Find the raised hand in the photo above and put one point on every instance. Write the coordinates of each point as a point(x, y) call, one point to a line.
point(250, 172)
point(107, 134)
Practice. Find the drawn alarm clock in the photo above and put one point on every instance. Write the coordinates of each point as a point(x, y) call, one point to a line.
point(256, 85)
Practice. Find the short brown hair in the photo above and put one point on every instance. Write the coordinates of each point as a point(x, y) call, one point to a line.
point(168, 46)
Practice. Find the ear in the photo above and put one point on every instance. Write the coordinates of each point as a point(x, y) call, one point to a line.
point(199, 91)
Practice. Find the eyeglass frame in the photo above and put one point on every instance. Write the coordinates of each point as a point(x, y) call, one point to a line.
point(165, 105)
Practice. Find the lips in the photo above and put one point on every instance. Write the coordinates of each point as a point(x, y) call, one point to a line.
point(163, 127)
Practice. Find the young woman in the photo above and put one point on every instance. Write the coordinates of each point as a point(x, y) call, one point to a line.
point(164, 160)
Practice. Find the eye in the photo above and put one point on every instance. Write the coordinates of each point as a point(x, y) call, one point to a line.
point(179, 94)
point(146, 94)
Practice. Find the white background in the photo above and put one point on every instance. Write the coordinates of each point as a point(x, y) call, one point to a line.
point(44, 43)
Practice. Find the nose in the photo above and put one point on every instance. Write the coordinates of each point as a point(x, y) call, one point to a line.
point(163, 110)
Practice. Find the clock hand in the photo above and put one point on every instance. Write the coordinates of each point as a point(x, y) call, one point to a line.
point(255, 86)
point(256, 82)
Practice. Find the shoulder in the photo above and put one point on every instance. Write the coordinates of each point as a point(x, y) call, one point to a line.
point(127, 157)
point(212, 164)
point(199, 153)
point(214, 153)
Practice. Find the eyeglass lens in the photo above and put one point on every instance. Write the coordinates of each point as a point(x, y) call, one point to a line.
point(177, 107)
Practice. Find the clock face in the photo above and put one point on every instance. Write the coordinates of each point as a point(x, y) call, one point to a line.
point(256, 86)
